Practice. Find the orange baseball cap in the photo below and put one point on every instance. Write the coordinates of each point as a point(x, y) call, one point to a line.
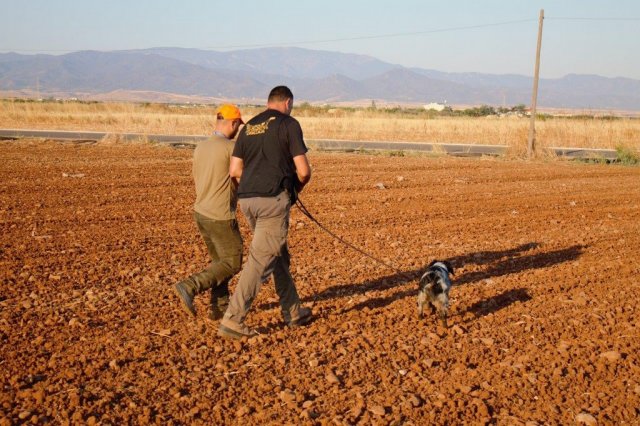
point(229, 112)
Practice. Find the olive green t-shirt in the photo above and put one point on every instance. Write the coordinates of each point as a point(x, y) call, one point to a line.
point(216, 195)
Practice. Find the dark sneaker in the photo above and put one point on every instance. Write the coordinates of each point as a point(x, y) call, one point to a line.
point(235, 331)
point(303, 318)
point(183, 291)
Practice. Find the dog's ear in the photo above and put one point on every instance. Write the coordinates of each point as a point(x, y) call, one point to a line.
point(430, 276)
point(433, 262)
point(425, 279)
point(449, 267)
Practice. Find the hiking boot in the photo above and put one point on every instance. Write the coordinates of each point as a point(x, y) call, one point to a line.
point(186, 292)
point(303, 318)
point(215, 313)
point(218, 307)
point(232, 330)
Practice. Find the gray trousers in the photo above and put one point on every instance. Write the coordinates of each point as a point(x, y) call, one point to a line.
point(224, 244)
point(268, 218)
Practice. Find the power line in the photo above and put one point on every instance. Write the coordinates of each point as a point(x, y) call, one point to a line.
point(564, 18)
point(369, 37)
point(366, 37)
point(290, 43)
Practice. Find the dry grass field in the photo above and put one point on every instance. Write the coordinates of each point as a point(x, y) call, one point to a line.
point(325, 123)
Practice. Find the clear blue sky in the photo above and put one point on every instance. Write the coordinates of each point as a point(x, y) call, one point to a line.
point(585, 46)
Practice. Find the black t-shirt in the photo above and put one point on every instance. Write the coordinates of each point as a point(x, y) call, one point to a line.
point(267, 145)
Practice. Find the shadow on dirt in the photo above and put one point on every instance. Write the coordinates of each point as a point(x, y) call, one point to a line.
point(502, 262)
point(484, 257)
point(499, 301)
point(382, 283)
point(380, 302)
point(513, 265)
point(349, 290)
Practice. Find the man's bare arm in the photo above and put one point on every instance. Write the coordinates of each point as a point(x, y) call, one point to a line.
point(303, 170)
point(235, 169)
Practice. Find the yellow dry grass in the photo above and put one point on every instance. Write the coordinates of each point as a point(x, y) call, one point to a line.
point(359, 124)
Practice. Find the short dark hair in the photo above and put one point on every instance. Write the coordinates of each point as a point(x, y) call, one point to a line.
point(280, 93)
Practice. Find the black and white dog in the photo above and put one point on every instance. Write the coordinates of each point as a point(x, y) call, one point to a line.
point(434, 288)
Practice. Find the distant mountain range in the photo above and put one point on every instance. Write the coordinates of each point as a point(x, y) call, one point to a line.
point(313, 75)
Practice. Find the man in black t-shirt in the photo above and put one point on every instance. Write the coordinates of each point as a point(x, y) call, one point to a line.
point(269, 161)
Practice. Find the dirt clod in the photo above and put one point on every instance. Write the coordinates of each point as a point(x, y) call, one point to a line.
point(611, 356)
point(378, 410)
point(587, 419)
point(332, 378)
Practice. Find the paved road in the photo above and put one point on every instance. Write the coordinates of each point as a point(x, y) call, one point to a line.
point(182, 140)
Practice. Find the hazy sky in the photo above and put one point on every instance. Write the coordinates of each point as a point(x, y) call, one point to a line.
point(602, 37)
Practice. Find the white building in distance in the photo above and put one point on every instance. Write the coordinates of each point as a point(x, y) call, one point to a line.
point(434, 106)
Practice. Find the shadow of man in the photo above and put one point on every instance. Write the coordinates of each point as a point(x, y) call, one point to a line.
point(499, 301)
point(501, 262)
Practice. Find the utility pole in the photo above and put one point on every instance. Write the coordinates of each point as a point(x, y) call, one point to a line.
point(534, 96)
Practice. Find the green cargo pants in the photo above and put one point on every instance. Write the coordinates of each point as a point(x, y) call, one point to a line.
point(224, 244)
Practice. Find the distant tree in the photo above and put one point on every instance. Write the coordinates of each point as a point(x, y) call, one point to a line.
point(481, 111)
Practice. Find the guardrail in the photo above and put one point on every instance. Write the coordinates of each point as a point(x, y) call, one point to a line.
point(457, 149)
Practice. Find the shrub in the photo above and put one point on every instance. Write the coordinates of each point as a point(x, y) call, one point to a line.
point(626, 155)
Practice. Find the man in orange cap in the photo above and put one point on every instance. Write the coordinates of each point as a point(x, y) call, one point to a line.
point(215, 215)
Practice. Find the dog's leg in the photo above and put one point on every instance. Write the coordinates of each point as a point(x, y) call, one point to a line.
point(444, 322)
point(443, 319)
point(422, 298)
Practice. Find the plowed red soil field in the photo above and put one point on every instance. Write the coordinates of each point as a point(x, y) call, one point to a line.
point(543, 325)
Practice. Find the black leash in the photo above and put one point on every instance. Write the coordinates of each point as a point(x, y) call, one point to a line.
point(308, 214)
